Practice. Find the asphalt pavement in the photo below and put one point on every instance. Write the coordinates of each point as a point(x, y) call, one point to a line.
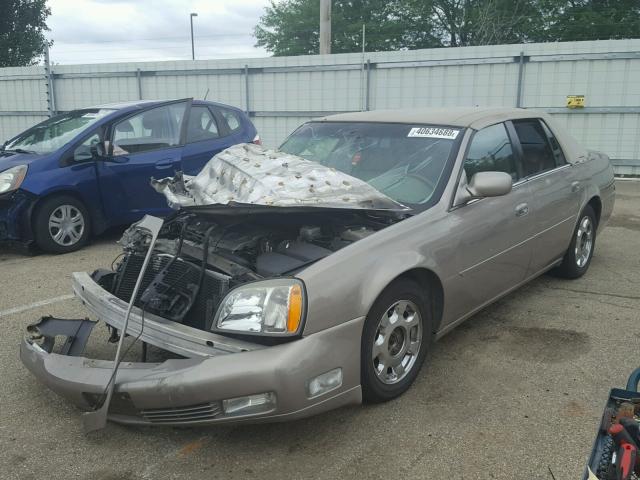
point(516, 392)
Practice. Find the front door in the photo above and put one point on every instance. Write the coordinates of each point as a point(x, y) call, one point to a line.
point(145, 145)
point(494, 245)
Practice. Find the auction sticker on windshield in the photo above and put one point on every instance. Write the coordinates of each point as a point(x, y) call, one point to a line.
point(433, 132)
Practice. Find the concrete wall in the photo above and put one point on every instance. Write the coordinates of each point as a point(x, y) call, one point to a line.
point(282, 92)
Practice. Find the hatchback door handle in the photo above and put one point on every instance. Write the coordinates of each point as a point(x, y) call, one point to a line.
point(522, 210)
point(575, 186)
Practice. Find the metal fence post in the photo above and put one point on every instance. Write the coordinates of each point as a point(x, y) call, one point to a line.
point(520, 80)
point(368, 87)
point(51, 95)
point(139, 79)
point(246, 88)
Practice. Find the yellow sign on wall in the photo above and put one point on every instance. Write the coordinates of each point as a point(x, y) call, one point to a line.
point(575, 101)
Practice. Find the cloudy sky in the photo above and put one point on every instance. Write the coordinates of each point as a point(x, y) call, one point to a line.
point(97, 31)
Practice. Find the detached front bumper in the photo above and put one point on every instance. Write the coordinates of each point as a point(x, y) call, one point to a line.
point(192, 390)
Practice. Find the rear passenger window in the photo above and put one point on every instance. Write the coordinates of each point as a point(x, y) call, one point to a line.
point(491, 151)
point(202, 125)
point(537, 154)
point(232, 118)
point(555, 146)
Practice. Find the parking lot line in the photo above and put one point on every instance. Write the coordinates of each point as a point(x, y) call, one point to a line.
point(41, 303)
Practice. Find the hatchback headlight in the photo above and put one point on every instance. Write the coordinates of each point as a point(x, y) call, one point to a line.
point(271, 307)
point(12, 178)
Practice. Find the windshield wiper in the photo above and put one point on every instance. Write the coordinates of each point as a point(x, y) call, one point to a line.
point(17, 150)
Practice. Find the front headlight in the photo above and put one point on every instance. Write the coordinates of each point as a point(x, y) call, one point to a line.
point(271, 307)
point(12, 178)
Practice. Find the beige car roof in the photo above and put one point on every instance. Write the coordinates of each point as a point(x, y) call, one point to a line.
point(474, 117)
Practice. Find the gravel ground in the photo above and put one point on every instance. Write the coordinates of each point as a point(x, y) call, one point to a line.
point(514, 393)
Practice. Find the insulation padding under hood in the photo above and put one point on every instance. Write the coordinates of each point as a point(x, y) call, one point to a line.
point(252, 174)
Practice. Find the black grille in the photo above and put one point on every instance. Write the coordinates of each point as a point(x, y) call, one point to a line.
point(193, 413)
point(179, 275)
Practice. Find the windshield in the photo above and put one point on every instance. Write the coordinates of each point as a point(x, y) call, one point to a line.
point(54, 133)
point(404, 162)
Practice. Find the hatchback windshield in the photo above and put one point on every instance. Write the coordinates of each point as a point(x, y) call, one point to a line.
point(50, 135)
point(405, 162)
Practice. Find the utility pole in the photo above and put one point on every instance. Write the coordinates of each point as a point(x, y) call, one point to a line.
point(325, 27)
point(193, 50)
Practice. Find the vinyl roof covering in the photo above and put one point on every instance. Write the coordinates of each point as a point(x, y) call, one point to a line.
point(474, 117)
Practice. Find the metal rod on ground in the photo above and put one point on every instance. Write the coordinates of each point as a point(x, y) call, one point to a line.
point(193, 49)
point(97, 419)
point(325, 27)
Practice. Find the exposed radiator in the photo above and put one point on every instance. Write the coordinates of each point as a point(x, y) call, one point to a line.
point(179, 275)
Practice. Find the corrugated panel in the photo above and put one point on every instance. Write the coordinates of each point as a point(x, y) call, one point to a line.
point(452, 80)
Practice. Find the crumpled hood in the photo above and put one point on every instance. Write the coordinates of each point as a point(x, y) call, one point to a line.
point(252, 174)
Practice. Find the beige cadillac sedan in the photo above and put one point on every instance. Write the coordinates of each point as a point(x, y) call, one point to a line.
point(294, 281)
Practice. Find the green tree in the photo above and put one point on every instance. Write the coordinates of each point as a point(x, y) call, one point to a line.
point(596, 20)
point(22, 27)
point(290, 27)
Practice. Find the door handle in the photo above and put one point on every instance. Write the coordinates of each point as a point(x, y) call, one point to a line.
point(575, 186)
point(522, 210)
point(165, 163)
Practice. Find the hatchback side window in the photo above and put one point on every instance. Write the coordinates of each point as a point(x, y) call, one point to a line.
point(232, 119)
point(537, 155)
point(202, 125)
point(491, 151)
point(149, 130)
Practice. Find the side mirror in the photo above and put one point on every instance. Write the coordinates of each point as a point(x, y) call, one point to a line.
point(489, 184)
point(98, 151)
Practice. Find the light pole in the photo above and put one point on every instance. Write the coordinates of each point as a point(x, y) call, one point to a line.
point(193, 50)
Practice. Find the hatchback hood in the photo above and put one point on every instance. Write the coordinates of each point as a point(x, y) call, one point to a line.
point(10, 159)
point(252, 174)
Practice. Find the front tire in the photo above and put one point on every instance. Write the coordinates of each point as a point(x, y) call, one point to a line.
point(396, 337)
point(61, 225)
point(578, 256)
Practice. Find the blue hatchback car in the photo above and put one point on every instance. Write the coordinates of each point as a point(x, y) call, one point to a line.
point(81, 172)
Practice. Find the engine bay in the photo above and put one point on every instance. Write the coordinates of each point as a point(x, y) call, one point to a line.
point(200, 257)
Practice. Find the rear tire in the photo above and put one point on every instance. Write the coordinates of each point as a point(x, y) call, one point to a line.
point(61, 225)
point(396, 336)
point(578, 256)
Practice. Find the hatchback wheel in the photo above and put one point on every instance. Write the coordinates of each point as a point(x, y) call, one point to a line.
point(61, 225)
point(396, 336)
point(578, 257)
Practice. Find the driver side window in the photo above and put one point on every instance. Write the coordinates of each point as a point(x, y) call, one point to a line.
point(491, 151)
point(152, 129)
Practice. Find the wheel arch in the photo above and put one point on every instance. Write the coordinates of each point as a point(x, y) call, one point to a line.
point(596, 203)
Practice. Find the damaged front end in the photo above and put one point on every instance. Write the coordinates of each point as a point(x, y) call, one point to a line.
point(220, 294)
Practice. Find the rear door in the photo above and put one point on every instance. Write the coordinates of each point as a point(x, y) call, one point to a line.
point(555, 190)
point(210, 130)
point(143, 145)
point(494, 247)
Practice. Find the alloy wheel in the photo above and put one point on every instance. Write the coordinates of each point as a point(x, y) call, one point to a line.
point(396, 344)
point(584, 241)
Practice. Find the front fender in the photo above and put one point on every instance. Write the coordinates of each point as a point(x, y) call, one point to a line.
point(345, 285)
